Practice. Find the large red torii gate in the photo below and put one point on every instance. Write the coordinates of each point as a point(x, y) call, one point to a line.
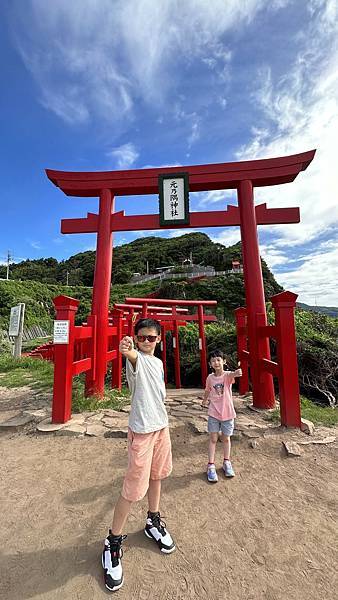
point(243, 176)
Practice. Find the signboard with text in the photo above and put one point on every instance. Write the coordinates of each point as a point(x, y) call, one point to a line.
point(174, 199)
point(14, 321)
point(61, 332)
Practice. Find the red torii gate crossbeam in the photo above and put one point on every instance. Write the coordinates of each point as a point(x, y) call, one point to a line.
point(243, 176)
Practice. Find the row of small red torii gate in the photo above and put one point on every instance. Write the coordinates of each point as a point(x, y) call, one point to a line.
point(253, 331)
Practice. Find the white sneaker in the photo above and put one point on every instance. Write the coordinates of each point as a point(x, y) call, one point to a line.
point(111, 562)
point(212, 474)
point(156, 530)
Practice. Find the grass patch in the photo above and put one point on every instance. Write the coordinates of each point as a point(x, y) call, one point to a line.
point(318, 414)
point(115, 399)
point(38, 374)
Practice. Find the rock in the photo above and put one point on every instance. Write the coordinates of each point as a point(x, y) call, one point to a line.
point(110, 412)
point(96, 430)
point(253, 444)
point(118, 432)
point(95, 418)
point(242, 425)
point(175, 422)
point(198, 426)
point(236, 436)
point(126, 408)
point(307, 426)
point(76, 419)
point(250, 433)
point(328, 440)
point(19, 420)
point(203, 416)
point(37, 415)
point(48, 427)
point(120, 421)
point(72, 430)
point(292, 449)
point(183, 412)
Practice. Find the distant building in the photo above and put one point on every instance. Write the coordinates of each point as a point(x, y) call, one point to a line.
point(236, 266)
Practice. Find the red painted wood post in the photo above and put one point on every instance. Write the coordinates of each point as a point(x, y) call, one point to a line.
point(63, 361)
point(202, 345)
point(176, 347)
point(284, 306)
point(144, 310)
point(91, 350)
point(101, 291)
point(116, 366)
point(164, 352)
point(131, 322)
point(240, 316)
point(262, 383)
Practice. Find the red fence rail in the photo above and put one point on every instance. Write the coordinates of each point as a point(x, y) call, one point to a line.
point(286, 367)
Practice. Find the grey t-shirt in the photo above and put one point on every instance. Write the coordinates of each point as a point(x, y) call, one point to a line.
point(146, 384)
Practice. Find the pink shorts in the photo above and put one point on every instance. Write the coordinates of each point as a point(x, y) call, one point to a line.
point(149, 457)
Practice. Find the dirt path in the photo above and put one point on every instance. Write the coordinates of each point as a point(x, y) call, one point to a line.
point(268, 534)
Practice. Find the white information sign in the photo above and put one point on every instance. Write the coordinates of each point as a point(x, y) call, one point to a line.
point(173, 191)
point(174, 199)
point(14, 321)
point(61, 332)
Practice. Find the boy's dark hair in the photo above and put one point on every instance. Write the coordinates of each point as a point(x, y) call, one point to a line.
point(149, 323)
point(216, 354)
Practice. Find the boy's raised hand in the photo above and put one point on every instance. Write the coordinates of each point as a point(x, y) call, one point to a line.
point(126, 345)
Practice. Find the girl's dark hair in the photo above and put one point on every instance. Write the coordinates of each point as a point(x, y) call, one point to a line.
point(149, 323)
point(216, 354)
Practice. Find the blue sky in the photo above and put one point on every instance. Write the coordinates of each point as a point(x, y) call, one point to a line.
point(111, 84)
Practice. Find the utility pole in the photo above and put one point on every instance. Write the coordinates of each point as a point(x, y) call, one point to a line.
point(8, 263)
point(67, 278)
point(147, 267)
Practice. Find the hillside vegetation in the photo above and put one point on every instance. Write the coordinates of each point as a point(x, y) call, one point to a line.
point(317, 334)
point(130, 258)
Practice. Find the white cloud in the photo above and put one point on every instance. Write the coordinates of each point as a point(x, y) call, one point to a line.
point(96, 59)
point(299, 111)
point(124, 156)
point(34, 244)
point(316, 280)
point(223, 197)
point(172, 233)
point(228, 237)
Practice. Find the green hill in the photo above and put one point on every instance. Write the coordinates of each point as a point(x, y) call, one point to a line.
point(132, 258)
point(330, 311)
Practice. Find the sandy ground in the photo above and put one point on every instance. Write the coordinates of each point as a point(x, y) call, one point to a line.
point(268, 534)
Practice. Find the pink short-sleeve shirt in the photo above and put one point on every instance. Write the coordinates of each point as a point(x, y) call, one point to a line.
point(221, 405)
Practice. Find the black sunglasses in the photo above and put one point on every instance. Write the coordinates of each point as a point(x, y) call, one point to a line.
point(143, 338)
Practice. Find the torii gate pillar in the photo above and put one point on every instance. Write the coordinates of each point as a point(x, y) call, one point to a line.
point(101, 292)
point(262, 382)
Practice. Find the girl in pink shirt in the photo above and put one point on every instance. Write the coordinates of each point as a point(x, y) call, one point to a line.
point(218, 398)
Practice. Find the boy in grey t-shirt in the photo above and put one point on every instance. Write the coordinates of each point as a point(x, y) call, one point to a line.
point(149, 448)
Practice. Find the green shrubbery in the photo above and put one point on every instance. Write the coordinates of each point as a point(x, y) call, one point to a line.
point(38, 298)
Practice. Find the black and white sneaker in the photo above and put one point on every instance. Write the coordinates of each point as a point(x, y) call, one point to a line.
point(111, 562)
point(156, 530)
